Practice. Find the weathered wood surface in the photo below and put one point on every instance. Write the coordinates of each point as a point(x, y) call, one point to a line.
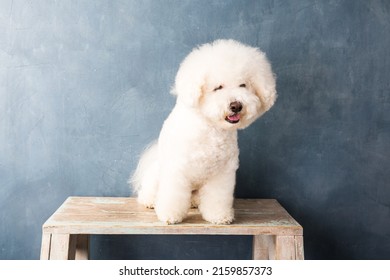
point(276, 235)
point(63, 246)
point(109, 215)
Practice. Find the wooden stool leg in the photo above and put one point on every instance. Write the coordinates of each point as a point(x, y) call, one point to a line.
point(82, 247)
point(45, 247)
point(65, 247)
point(289, 248)
point(60, 245)
point(285, 248)
point(78, 247)
point(299, 251)
point(263, 247)
point(270, 247)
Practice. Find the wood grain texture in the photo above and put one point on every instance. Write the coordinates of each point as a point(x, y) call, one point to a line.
point(98, 215)
point(285, 248)
point(60, 247)
point(82, 247)
point(45, 247)
point(276, 235)
point(299, 248)
point(263, 247)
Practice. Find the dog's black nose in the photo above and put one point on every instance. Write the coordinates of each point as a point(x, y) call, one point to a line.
point(235, 107)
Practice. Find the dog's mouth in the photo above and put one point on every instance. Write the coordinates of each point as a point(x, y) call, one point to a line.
point(233, 118)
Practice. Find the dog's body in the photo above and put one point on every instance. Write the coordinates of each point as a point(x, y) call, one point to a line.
point(221, 87)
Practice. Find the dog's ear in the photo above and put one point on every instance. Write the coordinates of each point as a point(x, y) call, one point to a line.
point(190, 81)
point(263, 81)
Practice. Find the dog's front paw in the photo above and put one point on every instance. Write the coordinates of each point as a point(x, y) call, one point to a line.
point(220, 218)
point(222, 221)
point(169, 217)
point(170, 220)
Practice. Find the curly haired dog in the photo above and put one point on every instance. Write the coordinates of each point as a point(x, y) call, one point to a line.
point(221, 87)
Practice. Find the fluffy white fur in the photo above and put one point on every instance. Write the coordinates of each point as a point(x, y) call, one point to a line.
point(221, 87)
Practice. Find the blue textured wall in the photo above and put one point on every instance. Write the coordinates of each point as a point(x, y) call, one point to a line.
point(84, 86)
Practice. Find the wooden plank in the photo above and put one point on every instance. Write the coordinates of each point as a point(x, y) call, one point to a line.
point(72, 246)
point(60, 247)
point(78, 247)
point(285, 248)
point(45, 247)
point(66, 233)
point(93, 215)
point(299, 251)
point(263, 247)
point(82, 247)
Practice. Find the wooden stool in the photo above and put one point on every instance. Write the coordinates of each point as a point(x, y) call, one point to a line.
point(276, 235)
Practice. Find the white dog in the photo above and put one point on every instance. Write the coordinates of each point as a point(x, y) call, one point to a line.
point(220, 87)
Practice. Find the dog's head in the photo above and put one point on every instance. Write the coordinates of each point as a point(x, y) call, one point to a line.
point(229, 83)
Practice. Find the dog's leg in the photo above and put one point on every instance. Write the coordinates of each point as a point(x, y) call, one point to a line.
point(145, 178)
point(149, 184)
point(216, 199)
point(173, 198)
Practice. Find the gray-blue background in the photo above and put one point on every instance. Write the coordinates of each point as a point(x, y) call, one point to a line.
point(84, 86)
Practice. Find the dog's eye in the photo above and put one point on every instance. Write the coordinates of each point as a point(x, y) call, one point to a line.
point(243, 85)
point(218, 88)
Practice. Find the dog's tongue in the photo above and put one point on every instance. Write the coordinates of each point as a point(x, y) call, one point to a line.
point(234, 117)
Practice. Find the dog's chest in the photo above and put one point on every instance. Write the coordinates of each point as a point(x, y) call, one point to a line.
point(195, 148)
point(213, 153)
